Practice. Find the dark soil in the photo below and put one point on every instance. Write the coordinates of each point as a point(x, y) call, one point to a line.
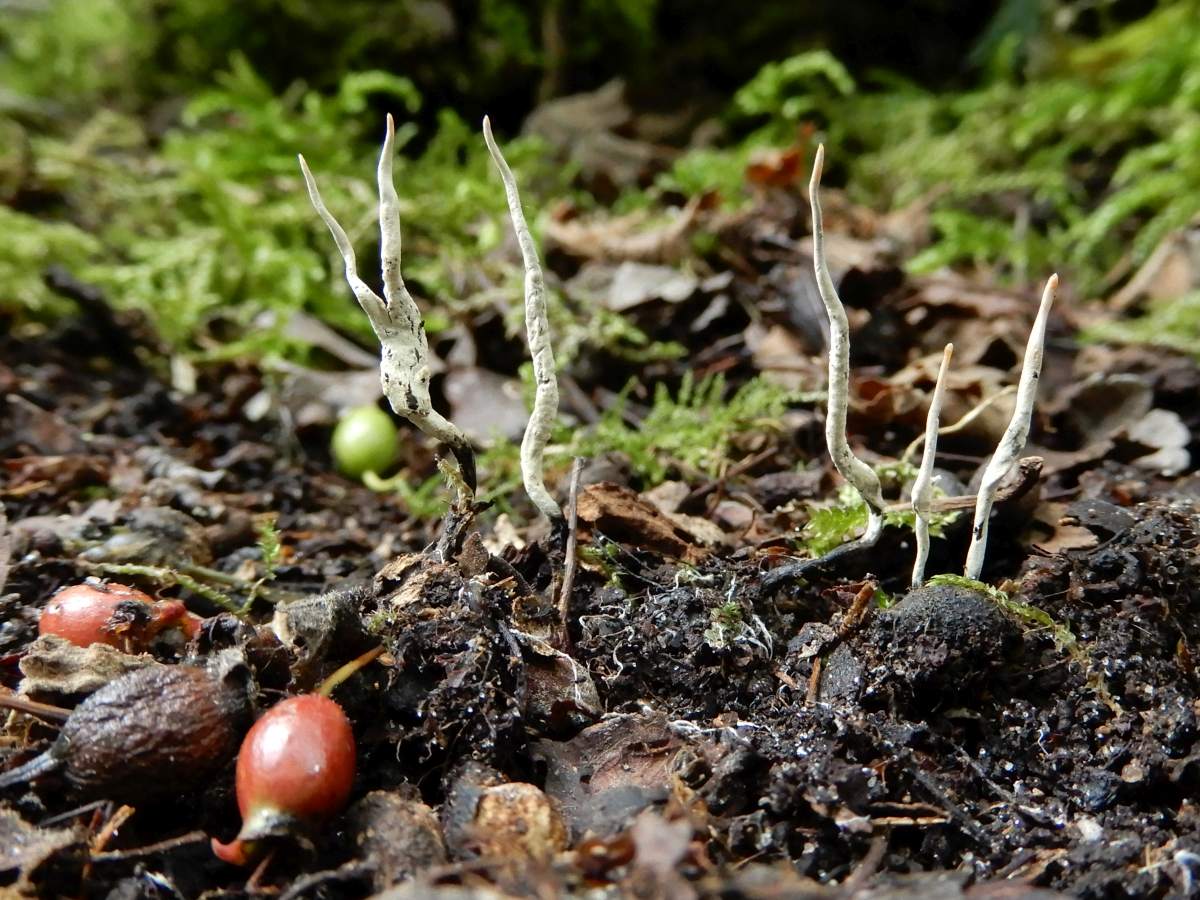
point(697, 733)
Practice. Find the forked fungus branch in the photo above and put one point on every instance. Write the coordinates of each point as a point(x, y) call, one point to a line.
point(404, 347)
point(404, 356)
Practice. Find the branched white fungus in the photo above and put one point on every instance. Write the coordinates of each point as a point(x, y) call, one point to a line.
point(861, 476)
point(404, 355)
point(1012, 442)
point(922, 489)
point(545, 401)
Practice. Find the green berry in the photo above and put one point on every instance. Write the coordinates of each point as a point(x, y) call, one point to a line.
point(364, 441)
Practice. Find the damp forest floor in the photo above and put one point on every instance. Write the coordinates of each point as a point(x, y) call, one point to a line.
point(697, 726)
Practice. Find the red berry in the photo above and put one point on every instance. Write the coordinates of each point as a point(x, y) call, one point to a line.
point(296, 765)
point(86, 614)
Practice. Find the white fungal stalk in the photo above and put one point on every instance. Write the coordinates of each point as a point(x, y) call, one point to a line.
point(404, 347)
point(861, 476)
point(545, 401)
point(922, 489)
point(1015, 435)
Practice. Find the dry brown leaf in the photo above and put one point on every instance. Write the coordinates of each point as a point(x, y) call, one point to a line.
point(612, 770)
point(625, 237)
point(24, 848)
point(620, 514)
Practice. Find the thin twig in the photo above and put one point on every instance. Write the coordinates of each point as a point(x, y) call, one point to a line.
point(348, 670)
point(739, 468)
point(192, 837)
point(5, 547)
point(962, 423)
point(33, 708)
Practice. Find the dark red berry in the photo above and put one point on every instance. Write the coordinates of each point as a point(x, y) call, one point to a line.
point(295, 767)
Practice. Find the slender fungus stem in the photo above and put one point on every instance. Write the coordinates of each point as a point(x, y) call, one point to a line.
point(565, 596)
point(861, 476)
point(537, 326)
point(1013, 440)
point(922, 489)
point(404, 366)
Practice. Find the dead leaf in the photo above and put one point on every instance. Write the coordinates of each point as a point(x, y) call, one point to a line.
point(782, 357)
point(625, 237)
point(555, 684)
point(312, 397)
point(660, 846)
point(5, 547)
point(622, 515)
point(612, 770)
point(42, 432)
point(583, 127)
point(153, 536)
point(63, 473)
point(54, 667)
point(635, 283)
point(397, 835)
point(1065, 532)
point(160, 462)
point(1106, 409)
point(24, 848)
point(486, 405)
point(1164, 432)
point(1172, 270)
point(315, 333)
point(776, 167)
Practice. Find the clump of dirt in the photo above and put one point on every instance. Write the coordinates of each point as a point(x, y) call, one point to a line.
point(938, 644)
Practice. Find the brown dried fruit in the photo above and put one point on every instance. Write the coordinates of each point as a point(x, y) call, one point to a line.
point(152, 732)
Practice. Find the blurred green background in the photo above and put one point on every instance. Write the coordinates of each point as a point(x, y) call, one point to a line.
point(149, 147)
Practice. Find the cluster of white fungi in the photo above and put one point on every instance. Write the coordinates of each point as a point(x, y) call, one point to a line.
point(405, 370)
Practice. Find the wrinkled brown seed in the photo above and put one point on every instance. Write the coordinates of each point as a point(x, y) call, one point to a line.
point(153, 732)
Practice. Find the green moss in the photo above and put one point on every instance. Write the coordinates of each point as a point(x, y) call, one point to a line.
point(970, 584)
point(1069, 165)
point(831, 525)
point(1171, 323)
point(696, 427)
point(212, 235)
